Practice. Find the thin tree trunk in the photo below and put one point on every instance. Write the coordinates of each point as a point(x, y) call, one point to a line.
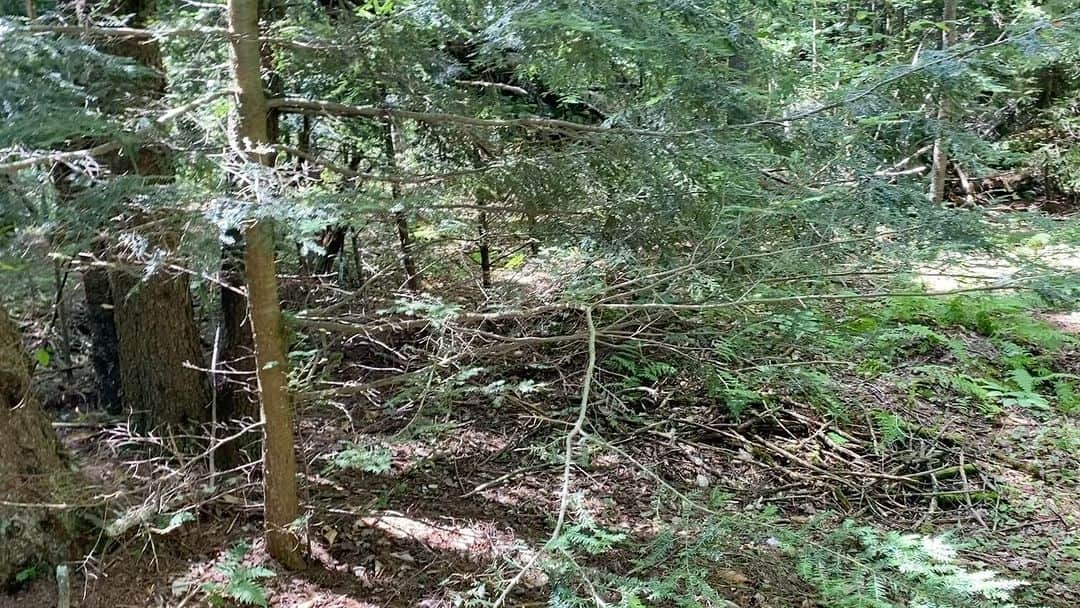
point(965, 183)
point(280, 499)
point(531, 226)
point(412, 275)
point(33, 469)
point(62, 320)
point(940, 155)
point(401, 221)
point(485, 249)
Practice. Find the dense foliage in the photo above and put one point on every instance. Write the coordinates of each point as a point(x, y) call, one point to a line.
point(629, 214)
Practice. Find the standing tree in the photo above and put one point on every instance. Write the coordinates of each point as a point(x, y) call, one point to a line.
point(940, 157)
point(281, 504)
point(145, 341)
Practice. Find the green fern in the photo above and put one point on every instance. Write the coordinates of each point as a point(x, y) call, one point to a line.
point(242, 582)
point(861, 567)
point(890, 425)
point(589, 538)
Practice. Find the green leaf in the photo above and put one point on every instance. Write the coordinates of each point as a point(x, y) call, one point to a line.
point(246, 592)
point(43, 357)
point(27, 574)
point(1023, 379)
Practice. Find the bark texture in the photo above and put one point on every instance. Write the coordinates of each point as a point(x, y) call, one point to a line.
point(104, 345)
point(940, 155)
point(235, 384)
point(157, 334)
point(143, 329)
point(237, 389)
point(33, 468)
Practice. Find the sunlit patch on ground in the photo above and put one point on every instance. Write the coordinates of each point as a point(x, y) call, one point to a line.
point(1065, 321)
point(477, 542)
point(966, 270)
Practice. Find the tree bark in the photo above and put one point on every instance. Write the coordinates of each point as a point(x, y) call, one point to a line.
point(159, 346)
point(280, 499)
point(143, 331)
point(485, 248)
point(940, 155)
point(104, 344)
point(33, 469)
point(236, 387)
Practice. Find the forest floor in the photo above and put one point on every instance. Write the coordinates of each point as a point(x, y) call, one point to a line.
point(962, 426)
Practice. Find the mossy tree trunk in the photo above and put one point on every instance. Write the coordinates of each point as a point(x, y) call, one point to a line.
point(33, 469)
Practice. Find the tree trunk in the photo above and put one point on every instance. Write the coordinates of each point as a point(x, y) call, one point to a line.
point(159, 344)
point(392, 148)
point(281, 503)
point(482, 196)
point(33, 469)
point(143, 331)
point(236, 386)
point(940, 155)
point(412, 275)
point(485, 248)
point(104, 344)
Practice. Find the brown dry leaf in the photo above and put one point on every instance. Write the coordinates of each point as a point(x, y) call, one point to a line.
point(733, 577)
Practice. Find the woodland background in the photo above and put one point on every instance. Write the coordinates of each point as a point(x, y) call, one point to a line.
point(528, 302)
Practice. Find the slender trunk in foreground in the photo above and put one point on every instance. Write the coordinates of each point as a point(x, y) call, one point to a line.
point(281, 503)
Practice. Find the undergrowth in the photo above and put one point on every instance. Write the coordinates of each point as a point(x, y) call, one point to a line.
point(985, 352)
point(702, 562)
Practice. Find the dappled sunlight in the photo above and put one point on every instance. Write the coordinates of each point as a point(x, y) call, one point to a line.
point(976, 269)
point(479, 542)
point(1065, 321)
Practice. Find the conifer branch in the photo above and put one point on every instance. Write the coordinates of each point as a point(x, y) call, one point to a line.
point(331, 108)
point(107, 147)
point(132, 33)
